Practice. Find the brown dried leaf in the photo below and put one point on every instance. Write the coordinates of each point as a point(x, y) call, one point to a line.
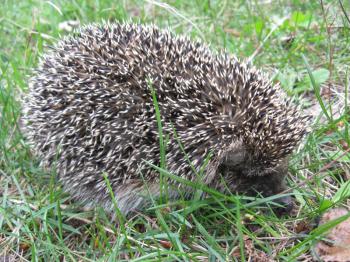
point(166, 244)
point(344, 144)
point(233, 32)
point(303, 226)
point(23, 247)
point(251, 252)
point(337, 248)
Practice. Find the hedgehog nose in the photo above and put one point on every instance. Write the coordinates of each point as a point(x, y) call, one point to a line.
point(286, 203)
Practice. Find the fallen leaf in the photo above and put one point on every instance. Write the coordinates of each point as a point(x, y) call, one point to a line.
point(337, 246)
point(23, 247)
point(344, 144)
point(302, 227)
point(252, 253)
point(232, 32)
point(166, 244)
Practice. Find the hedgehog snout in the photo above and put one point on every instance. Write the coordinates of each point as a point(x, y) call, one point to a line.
point(253, 178)
point(286, 205)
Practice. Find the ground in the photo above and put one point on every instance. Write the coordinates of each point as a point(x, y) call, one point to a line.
point(303, 45)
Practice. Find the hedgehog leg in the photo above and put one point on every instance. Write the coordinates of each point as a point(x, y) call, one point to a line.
point(138, 196)
point(129, 198)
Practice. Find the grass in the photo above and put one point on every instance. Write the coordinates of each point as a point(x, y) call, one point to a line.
point(304, 45)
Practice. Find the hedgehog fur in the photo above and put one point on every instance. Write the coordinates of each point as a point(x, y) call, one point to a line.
point(90, 111)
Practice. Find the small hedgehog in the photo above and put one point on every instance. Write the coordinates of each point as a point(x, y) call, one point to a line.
point(90, 112)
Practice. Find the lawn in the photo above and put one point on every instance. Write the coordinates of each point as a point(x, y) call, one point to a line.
point(303, 45)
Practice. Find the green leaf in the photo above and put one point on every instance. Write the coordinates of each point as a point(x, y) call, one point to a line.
point(338, 156)
point(287, 79)
point(300, 19)
point(342, 193)
point(259, 25)
point(213, 246)
point(316, 89)
point(320, 75)
point(299, 197)
point(325, 204)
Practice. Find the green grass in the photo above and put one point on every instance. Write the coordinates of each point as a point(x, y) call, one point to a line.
point(304, 45)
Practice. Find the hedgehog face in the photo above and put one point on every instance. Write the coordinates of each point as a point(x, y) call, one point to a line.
point(249, 175)
point(245, 175)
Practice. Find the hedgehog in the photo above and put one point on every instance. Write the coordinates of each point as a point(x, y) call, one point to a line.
point(91, 113)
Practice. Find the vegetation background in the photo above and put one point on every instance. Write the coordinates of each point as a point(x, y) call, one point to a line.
point(304, 45)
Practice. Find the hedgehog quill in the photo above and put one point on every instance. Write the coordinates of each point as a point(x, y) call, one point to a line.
point(89, 111)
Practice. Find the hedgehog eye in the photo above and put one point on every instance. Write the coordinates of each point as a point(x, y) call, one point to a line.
point(175, 113)
point(261, 115)
point(169, 81)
